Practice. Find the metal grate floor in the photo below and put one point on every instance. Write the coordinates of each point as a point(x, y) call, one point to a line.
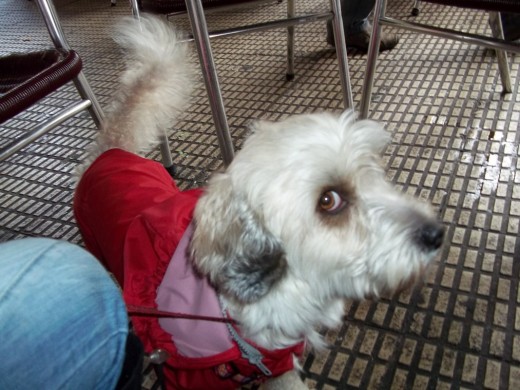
point(455, 143)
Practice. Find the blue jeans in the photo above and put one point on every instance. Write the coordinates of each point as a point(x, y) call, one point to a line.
point(63, 320)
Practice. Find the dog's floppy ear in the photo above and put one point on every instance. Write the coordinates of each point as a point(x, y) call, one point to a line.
point(231, 245)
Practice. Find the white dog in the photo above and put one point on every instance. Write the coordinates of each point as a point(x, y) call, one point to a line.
point(301, 220)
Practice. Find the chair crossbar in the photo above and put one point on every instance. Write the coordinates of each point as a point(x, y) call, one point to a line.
point(41, 129)
point(480, 40)
point(257, 27)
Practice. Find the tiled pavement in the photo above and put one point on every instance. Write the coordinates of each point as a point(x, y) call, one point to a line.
point(455, 142)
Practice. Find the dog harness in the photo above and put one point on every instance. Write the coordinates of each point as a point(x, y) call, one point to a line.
point(136, 221)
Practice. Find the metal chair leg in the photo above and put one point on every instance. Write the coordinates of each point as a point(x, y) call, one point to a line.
point(86, 92)
point(415, 9)
point(373, 51)
point(201, 37)
point(341, 52)
point(53, 25)
point(503, 64)
point(166, 154)
point(290, 42)
point(135, 9)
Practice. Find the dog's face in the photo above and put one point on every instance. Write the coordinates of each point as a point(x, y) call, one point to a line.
point(307, 198)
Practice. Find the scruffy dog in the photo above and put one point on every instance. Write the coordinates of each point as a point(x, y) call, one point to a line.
point(301, 220)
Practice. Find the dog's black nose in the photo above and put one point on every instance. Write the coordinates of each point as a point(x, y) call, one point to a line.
point(431, 236)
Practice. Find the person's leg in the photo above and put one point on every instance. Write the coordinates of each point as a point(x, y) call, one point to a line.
point(511, 25)
point(355, 14)
point(357, 27)
point(64, 323)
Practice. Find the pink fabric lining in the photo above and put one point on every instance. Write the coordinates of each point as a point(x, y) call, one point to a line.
point(182, 290)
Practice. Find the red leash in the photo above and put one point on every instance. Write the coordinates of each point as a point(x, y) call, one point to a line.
point(143, 311)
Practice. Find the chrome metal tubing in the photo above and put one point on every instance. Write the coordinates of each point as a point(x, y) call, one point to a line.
point(201, 36)
point(291, 11)
point(135, 9)
point(489, 42)
point(40, 130)
point(503, 64)
point(200, 32)
point(495, 43)
point(373, 51)
point(341, 52)
point(269, 25)
point(53, 25)
point(164, 146)
point(86, 93)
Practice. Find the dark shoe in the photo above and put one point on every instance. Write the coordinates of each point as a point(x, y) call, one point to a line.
point(511, 25)
point(361, 40)
point(132, 372)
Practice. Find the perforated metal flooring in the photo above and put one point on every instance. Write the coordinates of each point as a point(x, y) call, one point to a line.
point(455, 142)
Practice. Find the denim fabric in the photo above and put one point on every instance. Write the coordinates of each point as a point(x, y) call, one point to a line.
point(63, 322)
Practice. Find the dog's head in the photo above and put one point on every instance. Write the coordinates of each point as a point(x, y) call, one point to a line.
point(307, 197)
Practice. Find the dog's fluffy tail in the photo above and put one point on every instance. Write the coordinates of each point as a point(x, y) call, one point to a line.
point(153, 90)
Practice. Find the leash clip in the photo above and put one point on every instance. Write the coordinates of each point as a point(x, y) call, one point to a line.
point(253, 355)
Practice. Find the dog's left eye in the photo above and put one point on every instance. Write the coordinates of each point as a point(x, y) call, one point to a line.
point(331, 202)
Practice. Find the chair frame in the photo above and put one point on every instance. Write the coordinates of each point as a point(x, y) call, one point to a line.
point(201, 37)
point(495, 42)
point(88, 99)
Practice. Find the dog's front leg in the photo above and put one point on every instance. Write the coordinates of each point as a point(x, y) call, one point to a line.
point(288, 381)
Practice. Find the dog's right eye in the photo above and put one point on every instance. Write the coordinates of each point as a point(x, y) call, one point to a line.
point(331, 202)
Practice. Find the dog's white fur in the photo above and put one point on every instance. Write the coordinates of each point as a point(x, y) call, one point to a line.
point(154, 88)
point(282, 262)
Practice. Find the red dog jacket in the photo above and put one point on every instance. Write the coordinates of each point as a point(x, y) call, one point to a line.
point(132, 218)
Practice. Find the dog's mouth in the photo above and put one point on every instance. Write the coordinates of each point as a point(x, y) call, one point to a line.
point(405, 286)
point(416, 280)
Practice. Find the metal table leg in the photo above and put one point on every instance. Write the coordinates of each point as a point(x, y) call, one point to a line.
point(341, 52)
point(201, 37)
